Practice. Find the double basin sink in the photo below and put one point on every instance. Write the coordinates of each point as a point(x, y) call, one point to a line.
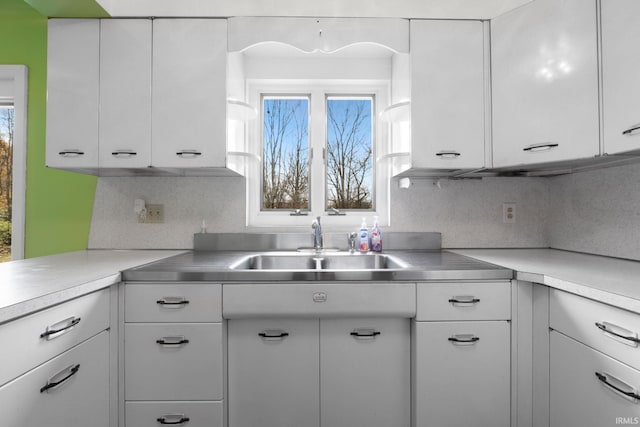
point(320, 260)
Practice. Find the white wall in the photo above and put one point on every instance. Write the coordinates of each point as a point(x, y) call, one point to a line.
point(597, 212)
point(467, 212)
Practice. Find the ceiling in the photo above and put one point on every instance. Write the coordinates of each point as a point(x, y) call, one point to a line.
point(441, 9)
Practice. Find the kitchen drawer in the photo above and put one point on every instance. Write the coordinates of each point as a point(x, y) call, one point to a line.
point(316, 300)
point(173, 302)
point(464, 301)
point(583, 320)
point(191, 370)
point(34, 335)
point(82, 400)
point(149, 414)
point(579, 397)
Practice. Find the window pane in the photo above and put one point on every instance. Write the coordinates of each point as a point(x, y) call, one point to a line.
point(285, 142)
point(6, 174)
point(349, 153)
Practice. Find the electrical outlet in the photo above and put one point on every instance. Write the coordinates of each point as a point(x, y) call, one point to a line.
point(509, 213)
point(155, 214)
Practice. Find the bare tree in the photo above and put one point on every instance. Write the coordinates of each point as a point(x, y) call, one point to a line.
point(349, 158)
point(6, 160)
point(285, 171)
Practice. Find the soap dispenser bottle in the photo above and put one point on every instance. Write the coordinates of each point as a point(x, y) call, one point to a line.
point(376, 236)
point(363, 237)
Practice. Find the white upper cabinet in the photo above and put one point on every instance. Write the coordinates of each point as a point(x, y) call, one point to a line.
point(620, 71)
point(545, 83)
point(72, 93)
point(447, 95)
point(318, 34)
point(125, 93)
point(189, 93)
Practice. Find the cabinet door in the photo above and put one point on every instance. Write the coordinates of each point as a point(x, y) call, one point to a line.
point(125, 93)
point(273, 373)
point(189, 93)
point(364, 370)
point(80, 398)
point(582, 387)
point(72, 93)
point(620, 69)
point(461, 374)
point(447, 94)
point(545, 83)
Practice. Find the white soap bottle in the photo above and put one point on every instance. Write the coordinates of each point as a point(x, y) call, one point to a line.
point(363, 237)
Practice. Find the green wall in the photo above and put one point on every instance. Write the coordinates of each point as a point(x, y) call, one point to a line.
point(59, 204)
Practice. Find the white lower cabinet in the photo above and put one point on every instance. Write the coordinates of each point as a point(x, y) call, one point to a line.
point(327, 372)
point(193, 414)
point(365, 373)
point(273, 373)
point(174, 355)
point(70, 390)
point(462, 374)
point(589, 388)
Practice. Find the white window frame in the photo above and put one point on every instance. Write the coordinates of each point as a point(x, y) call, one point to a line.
point(15, 81)
point(318, 90)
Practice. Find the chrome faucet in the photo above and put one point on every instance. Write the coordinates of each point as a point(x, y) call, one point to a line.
point(317, 234)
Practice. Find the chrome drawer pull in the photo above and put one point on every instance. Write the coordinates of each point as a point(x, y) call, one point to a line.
point(71, 153)
point(188, 153)
point(365, 333)
point(54, 382)
point(173, 302)
point(603, 327)
point(173, 419)
point(604, 378)
point(630, 131)
point(448, 154)
point(273, 335)
point(540, 147)
point(464, 300)
point(179, 340)
point(463, 339)
point(55, 330)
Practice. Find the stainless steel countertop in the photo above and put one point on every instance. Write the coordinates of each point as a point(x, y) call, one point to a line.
point(210, 266)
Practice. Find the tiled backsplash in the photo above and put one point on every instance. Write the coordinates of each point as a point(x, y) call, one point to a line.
point(596, 211)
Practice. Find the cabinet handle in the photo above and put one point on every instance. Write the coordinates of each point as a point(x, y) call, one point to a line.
point(54, 331)
point(173, 302)
point(540, 147)
point(630, 131)
point(52, 383)
point(463, 339)
point(365, 333)
point(448, 154)
point(464, 300)
point(187, 154)
point(605, 380)
point(172, 341)
point(124, 153)
point(273, 334)
point(604, 328)
point(177, 419)
point(71, 153)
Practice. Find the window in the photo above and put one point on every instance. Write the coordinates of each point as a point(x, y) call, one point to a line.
point(317, 145)
point(6, 178)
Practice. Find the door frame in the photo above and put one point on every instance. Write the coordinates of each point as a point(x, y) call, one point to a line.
point(18, 76)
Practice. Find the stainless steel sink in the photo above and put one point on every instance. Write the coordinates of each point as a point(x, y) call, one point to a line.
point(318, 261)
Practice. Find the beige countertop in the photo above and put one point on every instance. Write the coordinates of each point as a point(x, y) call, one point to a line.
point(33, 284)
point(613, 281)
